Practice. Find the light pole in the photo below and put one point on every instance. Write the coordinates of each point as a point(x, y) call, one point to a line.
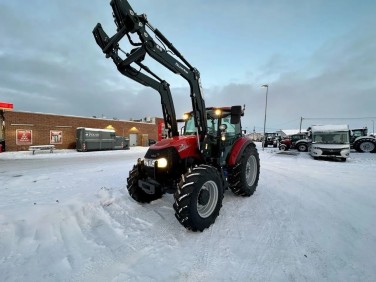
point(266, 106)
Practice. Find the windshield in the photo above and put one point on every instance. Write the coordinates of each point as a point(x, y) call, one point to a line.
point(190, 128)
point(297, 137)
point(359, 132)
point(212, 124)
point(331, 137)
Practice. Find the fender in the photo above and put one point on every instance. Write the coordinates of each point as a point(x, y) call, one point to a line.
point(238, 149)
point(301, 141)
point(364, 137)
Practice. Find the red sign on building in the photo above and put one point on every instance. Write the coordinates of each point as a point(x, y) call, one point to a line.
point(6, 106)
point(24, 137)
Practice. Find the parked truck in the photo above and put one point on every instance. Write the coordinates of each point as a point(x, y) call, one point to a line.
point(330, 141)
point(96, 139)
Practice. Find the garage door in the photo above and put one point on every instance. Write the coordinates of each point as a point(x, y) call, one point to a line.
point(132, 139)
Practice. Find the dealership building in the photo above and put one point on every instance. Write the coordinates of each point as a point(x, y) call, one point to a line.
point(19, 130)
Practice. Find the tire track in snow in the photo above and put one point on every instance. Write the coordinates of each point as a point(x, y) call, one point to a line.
point(272, 234)
point(303, 241)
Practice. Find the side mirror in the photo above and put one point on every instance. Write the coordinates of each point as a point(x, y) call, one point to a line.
point(236, 112)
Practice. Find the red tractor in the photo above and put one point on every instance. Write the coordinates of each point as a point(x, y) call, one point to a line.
point(210, 155)
point(297, 141)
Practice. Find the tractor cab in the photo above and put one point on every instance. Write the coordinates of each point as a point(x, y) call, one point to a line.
point(223, 129)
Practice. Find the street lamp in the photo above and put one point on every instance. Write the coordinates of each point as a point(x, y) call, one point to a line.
point(266, 105)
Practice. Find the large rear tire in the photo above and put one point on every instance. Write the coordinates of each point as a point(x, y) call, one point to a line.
point(245, 174)
point(136, 192)
point(198, 198)
point(365, 145)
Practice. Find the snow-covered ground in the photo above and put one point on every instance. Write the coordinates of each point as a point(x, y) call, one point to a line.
point(67, 216)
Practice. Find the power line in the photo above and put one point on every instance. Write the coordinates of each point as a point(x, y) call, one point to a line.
point(296, 119)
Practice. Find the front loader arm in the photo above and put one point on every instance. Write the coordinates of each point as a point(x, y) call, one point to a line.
point(160, 85)
point(127, 21)
point(163, 88)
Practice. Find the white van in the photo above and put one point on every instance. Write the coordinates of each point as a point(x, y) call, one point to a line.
point(330, 141)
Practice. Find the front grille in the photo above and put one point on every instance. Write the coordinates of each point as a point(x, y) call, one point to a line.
point(173, 164)
point(331, 152)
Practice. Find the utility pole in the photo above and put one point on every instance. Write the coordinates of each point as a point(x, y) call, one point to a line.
point(266, 105)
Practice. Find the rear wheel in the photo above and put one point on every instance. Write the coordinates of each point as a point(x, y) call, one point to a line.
point(366, 145)
point(198, 198)
point(245, 174)
point(136, 192)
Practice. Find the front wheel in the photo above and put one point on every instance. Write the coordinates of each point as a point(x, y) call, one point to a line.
point(135, 190)
point(198, 198)
point(245, 174)
point(283, 147)
point(302, 147)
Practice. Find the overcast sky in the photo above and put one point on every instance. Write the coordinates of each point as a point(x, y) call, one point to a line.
point(317, 56)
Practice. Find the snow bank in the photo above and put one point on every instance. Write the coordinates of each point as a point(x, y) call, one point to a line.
point(67, 216)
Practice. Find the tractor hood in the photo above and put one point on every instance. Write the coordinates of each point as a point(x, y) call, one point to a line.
point(186, 146)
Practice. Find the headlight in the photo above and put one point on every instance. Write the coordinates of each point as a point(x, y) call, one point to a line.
point(162, 162)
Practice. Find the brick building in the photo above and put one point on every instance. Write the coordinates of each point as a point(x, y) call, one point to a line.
point(19, 130)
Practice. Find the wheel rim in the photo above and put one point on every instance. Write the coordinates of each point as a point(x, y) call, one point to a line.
point(207, 209)
point(302, 148)
point(367, 146)
point(251, 170)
